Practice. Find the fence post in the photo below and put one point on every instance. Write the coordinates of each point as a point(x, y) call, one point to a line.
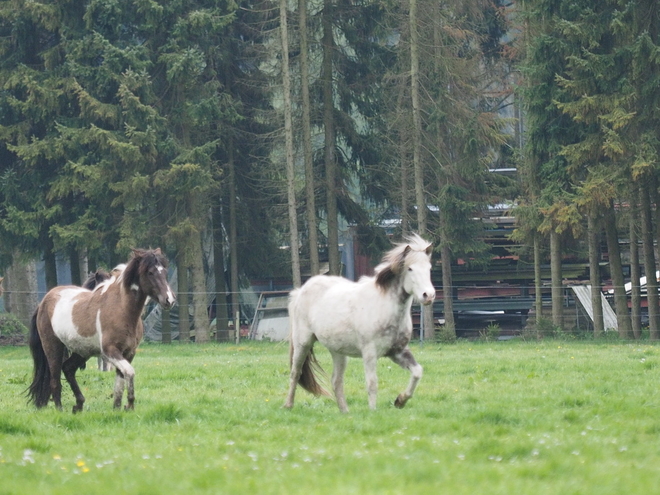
point(237, 326)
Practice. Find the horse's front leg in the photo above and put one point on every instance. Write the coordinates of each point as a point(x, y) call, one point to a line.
point(125, 372)
point(338, 369)
point(370, 359)
point(118, 391)
point(130, 387)
point(406, 360)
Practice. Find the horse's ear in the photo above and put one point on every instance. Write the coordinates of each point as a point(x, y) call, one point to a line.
point(157, 251)
point(429, 250)
point(398, 264)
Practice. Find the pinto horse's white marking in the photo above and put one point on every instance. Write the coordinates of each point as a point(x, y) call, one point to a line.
point(369, 319)
point(95, 320)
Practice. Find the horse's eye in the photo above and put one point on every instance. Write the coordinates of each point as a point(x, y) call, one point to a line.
point(410, 269)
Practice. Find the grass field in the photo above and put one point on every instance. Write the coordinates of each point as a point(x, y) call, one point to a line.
point(488, 418)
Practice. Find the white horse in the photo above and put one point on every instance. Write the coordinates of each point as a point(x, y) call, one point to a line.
point(369, 319)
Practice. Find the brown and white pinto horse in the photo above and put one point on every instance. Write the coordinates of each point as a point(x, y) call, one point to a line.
point(105, 321)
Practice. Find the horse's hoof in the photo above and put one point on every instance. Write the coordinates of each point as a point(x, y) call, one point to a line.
point(76, 409)
point(399, 403)
point(129, 407)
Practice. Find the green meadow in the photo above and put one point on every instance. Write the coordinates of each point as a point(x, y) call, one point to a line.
point(487, 418)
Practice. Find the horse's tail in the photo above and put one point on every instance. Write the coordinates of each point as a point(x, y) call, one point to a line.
point(311, 367)
point(39, 390)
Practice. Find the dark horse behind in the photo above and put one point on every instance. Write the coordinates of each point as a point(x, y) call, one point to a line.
point(104, 321)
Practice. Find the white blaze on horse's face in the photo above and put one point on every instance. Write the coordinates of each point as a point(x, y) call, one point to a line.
point(165, 297)
point(417, 279)
point(169, 295)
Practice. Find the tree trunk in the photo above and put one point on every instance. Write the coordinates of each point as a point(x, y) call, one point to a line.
point(50, 265)
point(329, 140)
point(594, 272)
point(405, 204)
point(288, 138)
point(616, 271)
point(403, 136)
point(233, 242)
point(635, 271)
point(199, 293)
point(427, 311)
point(649, 262)
point(310, 191)
point(221, 323)
point(183, 298)
point(20, 285)
point(417, 121)
point(74, 262)
point(538, 281)
point(654, 199)
point(556, 280)
point(448, 293)
point(166, 327)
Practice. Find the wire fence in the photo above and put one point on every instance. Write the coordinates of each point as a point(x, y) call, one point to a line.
point(510, 312)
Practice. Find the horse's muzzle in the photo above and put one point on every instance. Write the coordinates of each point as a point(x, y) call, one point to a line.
point(168, 301)
point(428, 298)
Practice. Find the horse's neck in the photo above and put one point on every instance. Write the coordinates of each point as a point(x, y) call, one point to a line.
point(132, 302)
point(398, 300)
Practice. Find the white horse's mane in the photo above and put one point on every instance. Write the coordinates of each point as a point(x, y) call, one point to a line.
point(417, 245)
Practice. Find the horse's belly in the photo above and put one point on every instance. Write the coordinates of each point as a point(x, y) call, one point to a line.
point(83, 346)
point(83, 339)
point(344, 344)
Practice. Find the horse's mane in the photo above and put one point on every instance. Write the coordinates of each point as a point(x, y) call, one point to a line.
point(399, 258)
point(141, 261)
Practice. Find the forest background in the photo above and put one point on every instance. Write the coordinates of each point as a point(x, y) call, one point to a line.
point(255, 126)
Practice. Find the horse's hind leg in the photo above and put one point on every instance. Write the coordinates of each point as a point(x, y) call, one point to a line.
point(338, 369)
point(370, 358)
point(406, 360)
point(298, 355)
point(70, 367)
point(55, 351)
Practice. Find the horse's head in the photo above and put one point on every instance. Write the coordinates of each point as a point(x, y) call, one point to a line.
point(417, 271)
point(147, 271)
point(411, 264)
point(95, 279)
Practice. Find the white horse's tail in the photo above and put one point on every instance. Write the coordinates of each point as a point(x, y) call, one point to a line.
point(310, 367)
